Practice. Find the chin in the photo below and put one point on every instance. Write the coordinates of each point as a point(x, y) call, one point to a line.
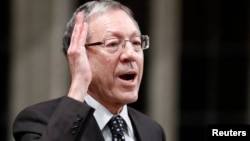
point(129, 97)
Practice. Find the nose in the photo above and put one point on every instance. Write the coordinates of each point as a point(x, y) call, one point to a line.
point(128, 52)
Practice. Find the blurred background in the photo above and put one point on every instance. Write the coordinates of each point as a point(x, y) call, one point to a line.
point(197, 70)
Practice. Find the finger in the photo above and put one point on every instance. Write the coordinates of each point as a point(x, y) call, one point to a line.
point(76, 31)
point(83, 35)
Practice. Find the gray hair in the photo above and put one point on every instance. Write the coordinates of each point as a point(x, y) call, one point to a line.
point(90, 9)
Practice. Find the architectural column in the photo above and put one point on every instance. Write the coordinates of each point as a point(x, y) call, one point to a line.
point(38, 67)
point(163, 67)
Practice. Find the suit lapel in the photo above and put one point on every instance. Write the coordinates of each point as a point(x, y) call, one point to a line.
point(92, 131)
point(138, 126)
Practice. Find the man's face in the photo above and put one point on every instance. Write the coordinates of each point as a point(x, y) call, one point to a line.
point(116, 76)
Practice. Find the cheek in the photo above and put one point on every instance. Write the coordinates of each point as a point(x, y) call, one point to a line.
point(141, 65)
point(102, 67)
point(140, 61)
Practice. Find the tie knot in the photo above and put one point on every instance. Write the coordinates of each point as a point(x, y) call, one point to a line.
point(117, 126)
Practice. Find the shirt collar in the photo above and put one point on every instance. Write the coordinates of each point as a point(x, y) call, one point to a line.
point(103, 115)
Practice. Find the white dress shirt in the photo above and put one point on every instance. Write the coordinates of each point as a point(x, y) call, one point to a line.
point(103, 115)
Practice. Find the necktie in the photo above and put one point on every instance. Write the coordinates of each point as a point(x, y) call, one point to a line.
point(117, 127)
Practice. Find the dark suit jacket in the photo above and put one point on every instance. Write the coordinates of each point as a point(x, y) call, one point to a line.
point(65, 119)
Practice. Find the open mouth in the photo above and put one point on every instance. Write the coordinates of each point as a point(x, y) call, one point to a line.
point(128, 77)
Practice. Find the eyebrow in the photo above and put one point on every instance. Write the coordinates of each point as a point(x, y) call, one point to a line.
point(120, 35)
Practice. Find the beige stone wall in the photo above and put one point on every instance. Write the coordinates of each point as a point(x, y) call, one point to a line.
point(163, 73)
point(38, 68)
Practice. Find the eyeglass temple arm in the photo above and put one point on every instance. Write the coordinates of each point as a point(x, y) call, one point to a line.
point(93, 44)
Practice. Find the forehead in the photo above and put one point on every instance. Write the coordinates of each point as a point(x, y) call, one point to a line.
point(113, 21)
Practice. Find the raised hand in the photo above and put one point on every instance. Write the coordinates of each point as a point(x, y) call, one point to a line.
point(78, 61)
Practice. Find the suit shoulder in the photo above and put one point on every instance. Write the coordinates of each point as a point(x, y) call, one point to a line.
point(146, 126)
point(141, 116)
point(45, 106)
point(62, 104)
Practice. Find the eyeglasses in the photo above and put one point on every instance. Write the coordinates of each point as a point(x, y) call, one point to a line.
point(114, 44)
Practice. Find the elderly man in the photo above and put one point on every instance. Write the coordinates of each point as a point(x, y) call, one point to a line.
point(104, 48)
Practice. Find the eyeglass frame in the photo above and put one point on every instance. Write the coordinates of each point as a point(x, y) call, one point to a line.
point(143, 38)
